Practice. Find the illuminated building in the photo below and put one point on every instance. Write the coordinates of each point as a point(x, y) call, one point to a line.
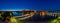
point(42, 13)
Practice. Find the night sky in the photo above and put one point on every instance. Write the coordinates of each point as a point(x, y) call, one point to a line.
point(46, 5)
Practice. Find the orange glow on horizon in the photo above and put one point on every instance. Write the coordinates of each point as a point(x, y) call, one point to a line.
point(42, 14)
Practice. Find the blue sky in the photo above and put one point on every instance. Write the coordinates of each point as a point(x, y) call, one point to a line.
point(30, 4)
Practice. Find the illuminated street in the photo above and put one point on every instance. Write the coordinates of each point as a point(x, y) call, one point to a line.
point(29, 17)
